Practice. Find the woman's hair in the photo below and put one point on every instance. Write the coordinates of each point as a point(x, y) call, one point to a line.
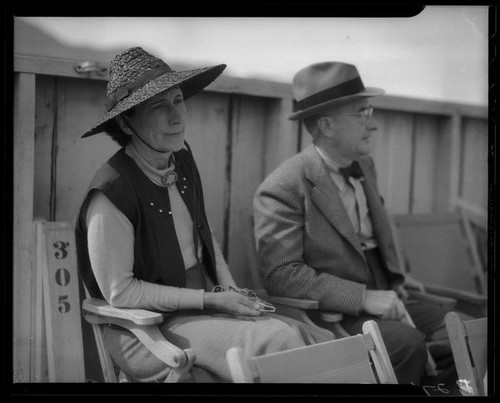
point(114, 130)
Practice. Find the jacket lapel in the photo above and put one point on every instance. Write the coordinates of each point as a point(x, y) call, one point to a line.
point(325, 194)
point(378, 216)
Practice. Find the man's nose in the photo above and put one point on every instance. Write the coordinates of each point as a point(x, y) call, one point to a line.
point(372, 123)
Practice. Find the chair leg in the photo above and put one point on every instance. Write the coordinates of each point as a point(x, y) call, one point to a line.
point(240, 372)
point(339, 331)
point(379, 355)
point(124, 378)
point(177, 374)
point(107, 365)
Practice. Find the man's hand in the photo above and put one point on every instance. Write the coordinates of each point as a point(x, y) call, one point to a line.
point(384, 304)
point(231, 302)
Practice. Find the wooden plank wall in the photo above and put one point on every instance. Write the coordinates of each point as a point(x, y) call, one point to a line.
point(237, 140)
point(65, 165)
point(474, 164)
point(429, 156)
point(23, 353)
point(392, 151)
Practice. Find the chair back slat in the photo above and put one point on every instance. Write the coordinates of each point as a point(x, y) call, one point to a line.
point(476, 333)
point(437, 249)
point(361, 358)
point(470, 350)
point(337, 361)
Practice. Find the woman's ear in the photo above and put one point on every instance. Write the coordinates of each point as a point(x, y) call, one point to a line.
point(123, 125)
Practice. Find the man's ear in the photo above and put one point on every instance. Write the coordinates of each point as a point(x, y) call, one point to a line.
point(123, 125)
point(325, 125)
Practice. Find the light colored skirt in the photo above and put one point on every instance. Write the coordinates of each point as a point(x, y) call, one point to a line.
point(209, 335)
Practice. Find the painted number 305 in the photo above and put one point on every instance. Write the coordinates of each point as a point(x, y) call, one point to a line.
point(62, 275)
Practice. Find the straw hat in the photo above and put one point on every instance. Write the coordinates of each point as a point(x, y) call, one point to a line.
point(135, 76)
point(324, 84)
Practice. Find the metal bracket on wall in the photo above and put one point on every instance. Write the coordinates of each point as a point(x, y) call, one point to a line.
point(88, 67)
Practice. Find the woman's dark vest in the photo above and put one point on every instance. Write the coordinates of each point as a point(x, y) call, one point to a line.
point(157, 254)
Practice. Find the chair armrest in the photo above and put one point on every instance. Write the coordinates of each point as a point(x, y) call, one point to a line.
point(446, 302)
point(331, 316)
point(306, 304)
point(140, 317)
point(293, 302)
point(459, 295)
point(144, 325)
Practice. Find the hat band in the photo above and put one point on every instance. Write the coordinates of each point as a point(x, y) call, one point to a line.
point(347, 88)
point(126, 90)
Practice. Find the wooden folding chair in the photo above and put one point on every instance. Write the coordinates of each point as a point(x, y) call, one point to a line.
point(469, 345)
point(355, 359)
point(438, 250)
point(144, 325)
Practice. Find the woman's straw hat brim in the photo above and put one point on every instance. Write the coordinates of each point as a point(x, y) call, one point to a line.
point(190, 82)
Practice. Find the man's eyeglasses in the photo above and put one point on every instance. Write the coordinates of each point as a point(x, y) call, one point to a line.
point(365, 114)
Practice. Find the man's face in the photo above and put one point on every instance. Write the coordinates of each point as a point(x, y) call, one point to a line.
point(161, 120)
point(351, 130)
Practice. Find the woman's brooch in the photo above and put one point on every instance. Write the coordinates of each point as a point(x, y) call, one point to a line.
point(169, 179)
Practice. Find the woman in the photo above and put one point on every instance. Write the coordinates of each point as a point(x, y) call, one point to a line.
point(143, 238)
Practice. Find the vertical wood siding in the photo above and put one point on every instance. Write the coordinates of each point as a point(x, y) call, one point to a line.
point(392, 154)
point(207, 135)
point(24, 283)
point(427, 161)
point(239, 139)
point(474, 163)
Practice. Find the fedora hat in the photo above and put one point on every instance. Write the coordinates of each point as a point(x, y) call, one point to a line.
point(320, 85)
point(135, 76)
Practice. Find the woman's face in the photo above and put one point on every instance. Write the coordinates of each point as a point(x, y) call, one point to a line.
point(160, 121)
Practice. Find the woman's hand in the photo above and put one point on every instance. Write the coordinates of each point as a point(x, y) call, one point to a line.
point(231, 302)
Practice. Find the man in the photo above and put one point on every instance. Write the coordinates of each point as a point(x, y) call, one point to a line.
point(321, 228)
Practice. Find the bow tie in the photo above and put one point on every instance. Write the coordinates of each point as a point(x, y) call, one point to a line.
point(353, 171)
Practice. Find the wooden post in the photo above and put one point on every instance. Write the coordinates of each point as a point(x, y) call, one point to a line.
point(455, 162)
point(281, 138)
point(24, 151)
point(247, 143)
point(39, 365)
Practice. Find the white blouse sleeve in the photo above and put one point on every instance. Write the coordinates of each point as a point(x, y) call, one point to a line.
point(111, 250)
point(224, 276)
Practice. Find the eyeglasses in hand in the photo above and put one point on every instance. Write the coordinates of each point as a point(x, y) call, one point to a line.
point(264, 306)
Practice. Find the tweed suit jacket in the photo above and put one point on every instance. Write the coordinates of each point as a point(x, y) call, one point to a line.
point(306, 244)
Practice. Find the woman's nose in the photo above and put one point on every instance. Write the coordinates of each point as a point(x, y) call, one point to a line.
point(174, 115)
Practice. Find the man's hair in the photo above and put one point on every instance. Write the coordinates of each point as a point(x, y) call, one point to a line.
point(114, 130)
point(310, 123)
